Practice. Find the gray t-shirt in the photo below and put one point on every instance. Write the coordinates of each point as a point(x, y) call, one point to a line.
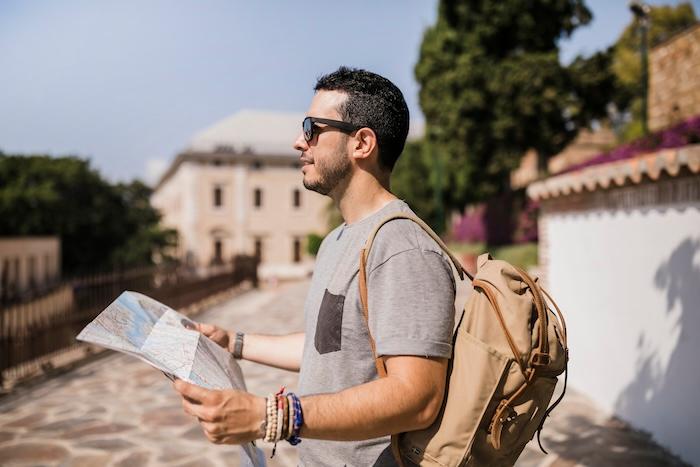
point(411, 292)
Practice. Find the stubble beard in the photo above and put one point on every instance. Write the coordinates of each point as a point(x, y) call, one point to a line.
point(331, 173)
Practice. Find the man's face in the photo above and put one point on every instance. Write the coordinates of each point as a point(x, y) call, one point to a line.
point(326, 160)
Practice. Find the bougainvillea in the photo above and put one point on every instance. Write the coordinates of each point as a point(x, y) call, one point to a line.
point(682, 134)
point(471, 228)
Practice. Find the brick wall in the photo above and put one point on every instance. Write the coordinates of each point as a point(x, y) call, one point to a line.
point(674, 79)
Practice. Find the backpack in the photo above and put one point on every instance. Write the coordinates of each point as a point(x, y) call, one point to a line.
point(508, 349)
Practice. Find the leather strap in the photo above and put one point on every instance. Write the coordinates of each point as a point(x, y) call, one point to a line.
point(499, 315)
point(368, 244)
point(364, 254)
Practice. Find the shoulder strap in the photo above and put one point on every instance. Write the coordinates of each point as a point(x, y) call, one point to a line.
point(368, 244)
point(364, 254)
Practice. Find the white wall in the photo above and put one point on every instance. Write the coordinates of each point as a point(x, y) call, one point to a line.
point(629, 285)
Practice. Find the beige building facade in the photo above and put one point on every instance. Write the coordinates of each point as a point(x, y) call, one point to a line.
point(238, 189)
point(28, 264)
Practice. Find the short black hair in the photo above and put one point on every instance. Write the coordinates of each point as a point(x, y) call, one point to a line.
point(375, 102)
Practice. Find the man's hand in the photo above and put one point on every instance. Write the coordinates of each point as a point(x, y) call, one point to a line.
point(227, 417)
point(218, 335)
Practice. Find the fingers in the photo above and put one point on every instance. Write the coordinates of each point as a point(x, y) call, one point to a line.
point(194, 393)
point(206, 329)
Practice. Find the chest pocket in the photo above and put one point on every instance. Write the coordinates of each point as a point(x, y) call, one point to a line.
point(329, 326)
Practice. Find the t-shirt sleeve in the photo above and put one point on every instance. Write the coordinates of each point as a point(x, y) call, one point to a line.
point(411, 304)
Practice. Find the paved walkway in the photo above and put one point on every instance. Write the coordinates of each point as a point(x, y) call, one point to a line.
point(117, 411)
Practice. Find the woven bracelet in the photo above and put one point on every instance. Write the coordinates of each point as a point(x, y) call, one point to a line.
point(298, 420)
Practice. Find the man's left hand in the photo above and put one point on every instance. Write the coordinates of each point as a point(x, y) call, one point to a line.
point(228, 416)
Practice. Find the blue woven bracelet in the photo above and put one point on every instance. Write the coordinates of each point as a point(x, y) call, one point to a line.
point(298, 420)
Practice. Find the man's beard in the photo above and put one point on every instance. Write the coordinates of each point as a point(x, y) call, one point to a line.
point(330, 173)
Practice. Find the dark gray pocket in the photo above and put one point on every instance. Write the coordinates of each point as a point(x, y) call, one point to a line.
point(329, 326)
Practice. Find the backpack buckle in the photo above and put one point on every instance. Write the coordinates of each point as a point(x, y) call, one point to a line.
point(540, 359)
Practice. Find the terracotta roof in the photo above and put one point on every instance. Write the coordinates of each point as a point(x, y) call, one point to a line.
point(618, 173)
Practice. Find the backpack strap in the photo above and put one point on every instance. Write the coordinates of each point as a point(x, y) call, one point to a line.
point(368, 244)
point(364, 254)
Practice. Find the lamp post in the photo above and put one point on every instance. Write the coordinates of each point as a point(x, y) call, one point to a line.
point(641, 12)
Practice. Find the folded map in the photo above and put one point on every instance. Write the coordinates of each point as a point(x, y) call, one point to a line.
point(137, 325)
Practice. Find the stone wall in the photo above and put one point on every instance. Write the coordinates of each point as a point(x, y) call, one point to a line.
point(674, 79)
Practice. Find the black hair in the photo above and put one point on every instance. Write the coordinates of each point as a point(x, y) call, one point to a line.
point(375, 102)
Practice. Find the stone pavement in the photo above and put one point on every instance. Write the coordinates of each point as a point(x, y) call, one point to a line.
point(118, 411)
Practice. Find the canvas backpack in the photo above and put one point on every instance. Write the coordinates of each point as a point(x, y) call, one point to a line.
point(508, 349)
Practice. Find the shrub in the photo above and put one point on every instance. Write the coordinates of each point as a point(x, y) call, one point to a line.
point(313, 243)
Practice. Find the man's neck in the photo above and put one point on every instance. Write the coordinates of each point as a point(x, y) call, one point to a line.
point(362, 197)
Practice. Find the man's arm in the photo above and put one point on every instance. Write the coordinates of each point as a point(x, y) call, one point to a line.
point(409, 398)
point(277, 351)
point(282, 351)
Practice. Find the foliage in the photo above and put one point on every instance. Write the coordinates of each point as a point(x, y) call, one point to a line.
point(470, 228)
point(313, 243)
point(664, 22)
point(526, 223)
point(413, 180)
point(523, 255)
point(492, 87)
point(101, 226)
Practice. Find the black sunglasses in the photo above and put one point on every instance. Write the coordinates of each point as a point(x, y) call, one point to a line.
point(309, 126)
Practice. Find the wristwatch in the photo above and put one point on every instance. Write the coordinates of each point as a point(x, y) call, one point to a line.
point(238, 346)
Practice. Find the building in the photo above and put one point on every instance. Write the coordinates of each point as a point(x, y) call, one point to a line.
point(586, 145)
point(620, 251)
point(28, 265)
point(238, 189)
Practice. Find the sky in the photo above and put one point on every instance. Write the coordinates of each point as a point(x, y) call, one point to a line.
point(128, 83)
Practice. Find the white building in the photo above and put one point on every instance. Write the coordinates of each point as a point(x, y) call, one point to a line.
point(620, 252)
point(238, 189)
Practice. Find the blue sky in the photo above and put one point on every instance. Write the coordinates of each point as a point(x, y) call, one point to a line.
point(128, 83)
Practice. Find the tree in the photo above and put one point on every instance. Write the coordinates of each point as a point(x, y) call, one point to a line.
point(492, 87)
point(101, 226)
point(413, 180)
point(664, 22)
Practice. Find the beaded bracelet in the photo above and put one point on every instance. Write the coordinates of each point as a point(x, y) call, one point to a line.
point(271, 418)
point(283, 418)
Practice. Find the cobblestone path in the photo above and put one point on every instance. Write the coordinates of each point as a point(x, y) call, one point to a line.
point(118, 411)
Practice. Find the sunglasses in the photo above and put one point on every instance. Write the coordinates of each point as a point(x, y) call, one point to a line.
point(310, 128)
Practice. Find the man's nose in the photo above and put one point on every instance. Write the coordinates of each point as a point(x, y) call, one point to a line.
point(300, 143)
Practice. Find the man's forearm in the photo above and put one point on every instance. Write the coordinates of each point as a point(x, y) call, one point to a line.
point(384, 406)
point(277, 351)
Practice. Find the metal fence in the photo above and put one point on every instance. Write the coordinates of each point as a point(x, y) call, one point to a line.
point(47, 324)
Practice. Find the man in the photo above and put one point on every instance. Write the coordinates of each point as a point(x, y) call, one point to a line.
point(355, 130)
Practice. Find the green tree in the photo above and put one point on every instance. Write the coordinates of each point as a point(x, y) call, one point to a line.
point(492, 87)
point(664, 22)
point(101, 226)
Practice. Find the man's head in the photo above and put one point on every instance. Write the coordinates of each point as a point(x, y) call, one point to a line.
point(363, 112)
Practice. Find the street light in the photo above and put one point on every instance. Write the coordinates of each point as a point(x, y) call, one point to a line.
point(641, 12)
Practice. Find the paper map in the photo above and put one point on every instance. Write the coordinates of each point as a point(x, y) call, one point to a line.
point(140, 326)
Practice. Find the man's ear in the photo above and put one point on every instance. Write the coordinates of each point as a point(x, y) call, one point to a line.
point(364, 143)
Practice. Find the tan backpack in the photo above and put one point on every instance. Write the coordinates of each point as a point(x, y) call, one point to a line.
point(508, 349)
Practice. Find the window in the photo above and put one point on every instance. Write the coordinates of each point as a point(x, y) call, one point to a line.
point(296, 197)
point(218, 197)
point(258, 248)
point(297, 250)
point(218, 252)
point(257, 165)
point(257, 198)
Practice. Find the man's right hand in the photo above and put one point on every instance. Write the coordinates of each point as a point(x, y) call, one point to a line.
point(218, 335)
